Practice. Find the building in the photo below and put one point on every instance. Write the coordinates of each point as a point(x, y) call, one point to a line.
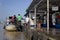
point(38, 8)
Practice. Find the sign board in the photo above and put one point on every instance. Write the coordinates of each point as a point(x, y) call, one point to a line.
point(55, 8)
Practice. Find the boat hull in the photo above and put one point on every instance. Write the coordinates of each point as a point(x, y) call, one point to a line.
point(11, 28)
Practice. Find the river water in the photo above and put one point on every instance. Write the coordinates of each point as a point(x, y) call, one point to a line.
point(5, 35)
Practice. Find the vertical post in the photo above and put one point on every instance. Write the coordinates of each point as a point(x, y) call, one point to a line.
point(35, 16)
point(29, 17)
point(47, 16)
point(35, 10)
point(29, 14)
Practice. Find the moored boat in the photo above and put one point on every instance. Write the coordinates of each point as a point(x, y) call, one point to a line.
point(11, 27)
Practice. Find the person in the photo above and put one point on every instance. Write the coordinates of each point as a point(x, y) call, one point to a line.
point(30, 22)
point(39, 28)
point(19, 18)
point(27, 21)
point(10, 19)
point(15, 19)
point(7, 21)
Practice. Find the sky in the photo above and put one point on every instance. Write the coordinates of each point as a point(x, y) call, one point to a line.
point(11, 7)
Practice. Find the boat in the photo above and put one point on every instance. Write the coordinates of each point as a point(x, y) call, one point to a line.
point(10, 27)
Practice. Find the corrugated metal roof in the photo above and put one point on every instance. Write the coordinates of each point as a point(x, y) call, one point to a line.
point(43, 5)
point(34, 2)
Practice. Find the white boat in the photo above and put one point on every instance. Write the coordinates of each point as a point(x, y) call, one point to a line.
point(11, 27)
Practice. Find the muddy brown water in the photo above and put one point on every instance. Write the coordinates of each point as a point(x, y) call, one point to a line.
point(5, 35)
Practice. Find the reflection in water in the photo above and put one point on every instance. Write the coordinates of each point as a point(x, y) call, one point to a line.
point(5, 35)
point(14, 36)
point(53, 32)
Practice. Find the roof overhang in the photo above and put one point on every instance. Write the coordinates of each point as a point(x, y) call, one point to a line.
point(43, 4)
